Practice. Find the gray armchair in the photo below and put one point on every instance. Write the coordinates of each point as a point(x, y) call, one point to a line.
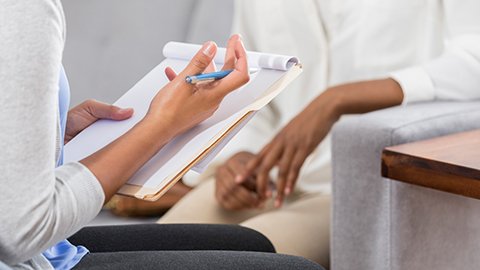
point(379, 223)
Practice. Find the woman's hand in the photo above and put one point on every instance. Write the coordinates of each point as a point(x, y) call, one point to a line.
point(229, 194)
point(180, 105)
point(176, 108)
point(297, 140)
point(289, 149)
point(88, 112)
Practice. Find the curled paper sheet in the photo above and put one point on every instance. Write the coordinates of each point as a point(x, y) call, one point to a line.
point(185, 51)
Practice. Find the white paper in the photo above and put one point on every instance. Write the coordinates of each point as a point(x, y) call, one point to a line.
point(184, 149)
point(178, 50)
point(204, 162)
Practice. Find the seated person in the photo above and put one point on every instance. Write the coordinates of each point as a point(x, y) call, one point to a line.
point(41, 204)
point(358, 56)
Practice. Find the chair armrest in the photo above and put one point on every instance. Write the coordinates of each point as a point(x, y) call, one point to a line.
point(365, 219)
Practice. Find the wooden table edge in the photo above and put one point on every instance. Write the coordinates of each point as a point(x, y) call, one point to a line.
point(452, 178)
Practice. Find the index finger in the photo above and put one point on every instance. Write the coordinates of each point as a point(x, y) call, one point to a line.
point(201, 60)
point(263, 174)
point(230, 58)
point(239, 75)
point(250, 169)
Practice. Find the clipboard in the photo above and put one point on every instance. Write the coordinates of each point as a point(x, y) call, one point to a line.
point(198, 146)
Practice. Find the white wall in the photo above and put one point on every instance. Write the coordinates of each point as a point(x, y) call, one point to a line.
point(112, 43)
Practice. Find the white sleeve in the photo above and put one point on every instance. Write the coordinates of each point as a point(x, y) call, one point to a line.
point(39, 204)
point(454, 75)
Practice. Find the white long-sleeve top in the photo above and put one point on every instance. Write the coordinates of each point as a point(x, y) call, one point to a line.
point(431, 47)
point(39, 204)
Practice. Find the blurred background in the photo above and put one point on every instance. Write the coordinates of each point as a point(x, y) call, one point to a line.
point(111, 44)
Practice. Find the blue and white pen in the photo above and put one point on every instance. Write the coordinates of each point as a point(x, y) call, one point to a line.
point(213, 76)
point(208, 77)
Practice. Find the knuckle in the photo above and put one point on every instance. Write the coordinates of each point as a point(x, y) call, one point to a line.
point(282, 172)
point(292, 176)
point(231, 162)
point(89, 102)
point(267, 165)
point(228, 206)
point(111, 109)
point(224, 196)
point(296, 166)
point(218, 98)
point(200, 62)
point(261, 170)
point(218, 172)
point(245, 78)
point(261, 184)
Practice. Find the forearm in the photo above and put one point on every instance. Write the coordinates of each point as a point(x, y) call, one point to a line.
point(299, 138)
point(360, 97)
point(117, 162)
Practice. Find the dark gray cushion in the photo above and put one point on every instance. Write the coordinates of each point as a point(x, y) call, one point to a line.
point(143, 237)
point(198, 260)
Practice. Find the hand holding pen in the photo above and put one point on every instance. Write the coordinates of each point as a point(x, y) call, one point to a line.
point(180, 105)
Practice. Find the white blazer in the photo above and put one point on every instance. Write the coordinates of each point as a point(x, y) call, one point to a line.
point(430, 47)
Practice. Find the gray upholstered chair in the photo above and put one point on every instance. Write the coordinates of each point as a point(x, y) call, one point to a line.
point(381, 224)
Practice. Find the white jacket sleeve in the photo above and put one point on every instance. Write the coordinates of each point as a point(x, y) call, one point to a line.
point(39, 204)
point(454, 75)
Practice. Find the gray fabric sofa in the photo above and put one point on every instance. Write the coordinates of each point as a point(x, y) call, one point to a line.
point(380, 224)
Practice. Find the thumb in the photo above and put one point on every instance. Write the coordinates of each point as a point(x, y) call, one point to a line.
point(121, 114)
point(201, 60)
point(171, 74)
point(102, 110)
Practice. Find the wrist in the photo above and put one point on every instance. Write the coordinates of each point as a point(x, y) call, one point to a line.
point(156, 131)
point(330, 104)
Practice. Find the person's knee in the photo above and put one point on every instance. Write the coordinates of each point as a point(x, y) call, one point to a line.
point(196, 206)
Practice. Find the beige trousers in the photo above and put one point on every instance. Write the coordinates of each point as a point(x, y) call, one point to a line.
point(301, 227)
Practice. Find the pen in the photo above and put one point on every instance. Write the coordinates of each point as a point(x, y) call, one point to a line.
point(210, 77)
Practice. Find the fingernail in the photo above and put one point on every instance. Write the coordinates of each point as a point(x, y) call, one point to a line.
point(237, 37)
point(277, 204)
point(209, 49)
point(288, 190)
point(238, 179)
point(125, 110)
